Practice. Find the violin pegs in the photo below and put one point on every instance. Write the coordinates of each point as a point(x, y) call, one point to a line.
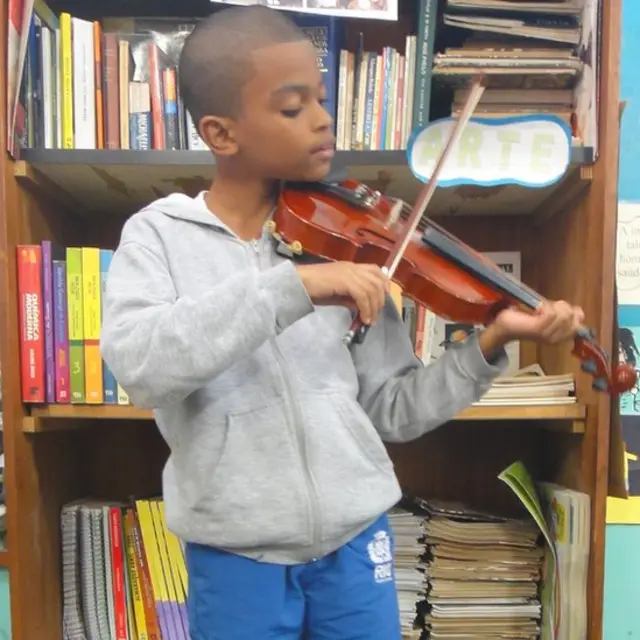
point(586, 333)
point(600, 384)
point(589, 366)
point(296, 247)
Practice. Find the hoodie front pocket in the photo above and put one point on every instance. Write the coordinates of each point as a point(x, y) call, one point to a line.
point(363, 432)
point(256, 494)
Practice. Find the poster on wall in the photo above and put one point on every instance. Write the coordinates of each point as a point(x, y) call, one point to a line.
point(628, 284)
point(373, 9)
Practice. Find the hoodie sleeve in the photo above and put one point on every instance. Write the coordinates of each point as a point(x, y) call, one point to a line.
point(404, 398)
point(161, 347)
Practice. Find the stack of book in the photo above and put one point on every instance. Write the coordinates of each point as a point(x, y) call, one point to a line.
point(539, 57)
point(530, 389)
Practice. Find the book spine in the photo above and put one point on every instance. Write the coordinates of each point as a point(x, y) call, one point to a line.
point(400, 95)
point(66, 80)
point(76, 327)
point(146, 589)
point(155, 85)
point(170, 108)
point(83, 85)
point(110, 387)
point(91, 325)
point(424, 62)
point(48, 95)
point(99, 98)
point(29, 269)
point(155, 568)
point(372, 62)
point(57, 93)
point(391, 111)
point(134, 578)
point(326, 34)
point(123, 396)
point(117, 567)
point(61, 332)
point(139, 116)
point(47, 301)
point(110, 92)
point(123, 92)
point(194, 141)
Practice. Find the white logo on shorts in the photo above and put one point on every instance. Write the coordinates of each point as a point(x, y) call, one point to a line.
point(379, 550)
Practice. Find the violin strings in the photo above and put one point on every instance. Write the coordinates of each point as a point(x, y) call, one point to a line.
point(425, 222)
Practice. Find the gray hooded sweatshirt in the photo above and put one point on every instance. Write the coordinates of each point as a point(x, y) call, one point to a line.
point(275, 427)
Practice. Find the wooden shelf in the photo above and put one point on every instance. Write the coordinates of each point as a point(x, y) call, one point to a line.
point(4, 558)
point(45, 418)
point(569, 418)
point(120, 182)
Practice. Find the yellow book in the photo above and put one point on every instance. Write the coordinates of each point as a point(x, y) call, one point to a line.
point(151, 550)
point(123, 396)
point(173, 561)
point(75, 324)
point(66, 81)
point(172, 596)
point(175, 550)
point(134, 579)
point(94, 384)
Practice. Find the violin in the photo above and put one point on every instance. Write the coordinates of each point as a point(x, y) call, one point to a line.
point(348, 221)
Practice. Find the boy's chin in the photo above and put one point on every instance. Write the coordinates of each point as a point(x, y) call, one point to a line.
point(315, 173)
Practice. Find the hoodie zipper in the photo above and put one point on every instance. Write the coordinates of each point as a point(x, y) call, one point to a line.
point(295, 425)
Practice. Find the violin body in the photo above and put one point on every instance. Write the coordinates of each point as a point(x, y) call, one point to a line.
point(355, 225)
point(347, 221)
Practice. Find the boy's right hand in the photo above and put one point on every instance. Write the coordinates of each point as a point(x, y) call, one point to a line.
point(352, 284)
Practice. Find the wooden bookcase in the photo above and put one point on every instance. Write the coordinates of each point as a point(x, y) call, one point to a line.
point(57, 454)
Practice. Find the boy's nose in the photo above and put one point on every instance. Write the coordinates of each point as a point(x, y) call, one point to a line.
point(323, 119)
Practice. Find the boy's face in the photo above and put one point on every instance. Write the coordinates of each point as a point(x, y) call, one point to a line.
point(283, 131)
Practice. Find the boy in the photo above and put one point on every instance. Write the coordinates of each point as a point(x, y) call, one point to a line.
point(278, 479)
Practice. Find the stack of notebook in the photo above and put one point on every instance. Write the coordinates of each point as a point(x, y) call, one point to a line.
point(479, 574)
point(123, 573)
point(409, 550)
point(482, 574)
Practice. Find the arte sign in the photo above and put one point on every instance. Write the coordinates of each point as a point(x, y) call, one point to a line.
point(532, 151)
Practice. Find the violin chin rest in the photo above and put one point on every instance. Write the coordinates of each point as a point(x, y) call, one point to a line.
point(337, 174)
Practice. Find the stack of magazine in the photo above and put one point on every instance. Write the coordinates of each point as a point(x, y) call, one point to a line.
point(466, 574)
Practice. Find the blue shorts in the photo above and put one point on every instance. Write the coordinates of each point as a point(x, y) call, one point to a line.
point(347, 595)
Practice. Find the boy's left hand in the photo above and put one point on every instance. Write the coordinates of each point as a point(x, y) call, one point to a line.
point(553, 322)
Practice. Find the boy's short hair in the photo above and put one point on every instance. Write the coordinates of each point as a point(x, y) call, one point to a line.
point(215, 61)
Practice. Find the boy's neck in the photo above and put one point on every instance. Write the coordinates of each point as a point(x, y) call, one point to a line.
point(242, 204)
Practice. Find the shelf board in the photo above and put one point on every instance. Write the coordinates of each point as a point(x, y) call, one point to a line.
point(568, 418)
point(122, 181)
point(4, 558)
point(52, 413)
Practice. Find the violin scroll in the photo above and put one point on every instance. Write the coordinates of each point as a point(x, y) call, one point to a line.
point(619, 379)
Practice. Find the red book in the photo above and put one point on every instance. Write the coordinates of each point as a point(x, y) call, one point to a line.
point(117, 569)
point(31, 323)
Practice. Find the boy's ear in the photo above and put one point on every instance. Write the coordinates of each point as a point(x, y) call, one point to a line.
point(219, 134)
